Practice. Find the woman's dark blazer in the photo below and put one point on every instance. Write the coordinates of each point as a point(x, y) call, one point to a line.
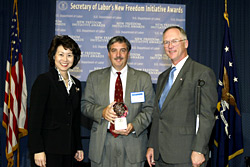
point(54, 119)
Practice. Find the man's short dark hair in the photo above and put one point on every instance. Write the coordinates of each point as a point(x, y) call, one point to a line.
point(120, 39)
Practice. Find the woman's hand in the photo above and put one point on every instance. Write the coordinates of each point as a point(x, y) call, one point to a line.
point(40, 159)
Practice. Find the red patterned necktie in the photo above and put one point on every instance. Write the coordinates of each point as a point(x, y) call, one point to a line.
point(118, 88)
point(118, 97)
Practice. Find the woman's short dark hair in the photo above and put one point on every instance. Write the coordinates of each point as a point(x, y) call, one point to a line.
point(67, 43)
point(120, 39)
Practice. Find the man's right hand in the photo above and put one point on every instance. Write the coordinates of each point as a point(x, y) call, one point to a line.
point(150, 156)
point(40, 159)
point(109, 114)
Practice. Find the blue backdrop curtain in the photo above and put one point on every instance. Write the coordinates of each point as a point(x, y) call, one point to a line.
point(204, 27)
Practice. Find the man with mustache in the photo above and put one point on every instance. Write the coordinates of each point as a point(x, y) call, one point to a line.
point(126, 147)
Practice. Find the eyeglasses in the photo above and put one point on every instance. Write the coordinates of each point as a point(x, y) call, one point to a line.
point(174, 42)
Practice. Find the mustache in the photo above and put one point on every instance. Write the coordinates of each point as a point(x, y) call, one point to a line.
point(119, 57)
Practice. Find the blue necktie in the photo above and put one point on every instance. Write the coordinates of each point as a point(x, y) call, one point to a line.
point(167, 87)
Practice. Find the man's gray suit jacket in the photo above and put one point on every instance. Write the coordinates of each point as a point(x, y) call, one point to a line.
point(96, 98)
point(173, 132)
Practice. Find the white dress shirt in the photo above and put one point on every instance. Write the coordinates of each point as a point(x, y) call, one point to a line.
point(179, 67)
point(113, 77)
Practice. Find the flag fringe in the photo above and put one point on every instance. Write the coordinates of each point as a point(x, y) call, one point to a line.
point(236, 154)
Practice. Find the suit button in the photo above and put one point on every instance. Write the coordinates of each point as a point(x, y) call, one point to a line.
point(67, 124)
point(118, 153)
point(69, 113)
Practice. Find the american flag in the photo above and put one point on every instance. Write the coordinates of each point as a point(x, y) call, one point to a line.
point(15, 99)
point(228, 127)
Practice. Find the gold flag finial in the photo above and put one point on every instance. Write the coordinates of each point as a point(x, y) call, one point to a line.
point(226, 14)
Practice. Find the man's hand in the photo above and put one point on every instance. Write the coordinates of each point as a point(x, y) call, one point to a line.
point(197, 159)
point(40, 159)
point(150, 156)
point(109, 114)
point(125, 132)
point(79, 155)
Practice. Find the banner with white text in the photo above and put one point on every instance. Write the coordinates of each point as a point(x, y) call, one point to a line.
point(92, 23)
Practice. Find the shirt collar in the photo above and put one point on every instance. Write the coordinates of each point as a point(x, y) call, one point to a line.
point(61, 78)
point(180, 64)
point(124, 70)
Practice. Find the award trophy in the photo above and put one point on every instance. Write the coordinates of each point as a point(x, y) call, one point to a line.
point(121, 111)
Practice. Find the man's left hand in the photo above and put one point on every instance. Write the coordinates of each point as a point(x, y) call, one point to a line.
point(197, 158)
point(125, 132)
point(79, 155)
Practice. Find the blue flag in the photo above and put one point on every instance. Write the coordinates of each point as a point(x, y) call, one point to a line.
point(228, 127)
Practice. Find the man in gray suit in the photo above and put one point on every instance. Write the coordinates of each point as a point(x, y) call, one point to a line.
point(182, 121)
point(129, 148)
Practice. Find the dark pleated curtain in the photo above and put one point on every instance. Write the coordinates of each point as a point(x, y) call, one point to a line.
point(204, 27)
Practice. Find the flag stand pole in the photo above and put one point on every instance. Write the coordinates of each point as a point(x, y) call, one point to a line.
point(18, 139)
point(18, 153)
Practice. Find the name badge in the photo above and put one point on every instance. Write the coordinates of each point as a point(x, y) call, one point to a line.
point(137, 97)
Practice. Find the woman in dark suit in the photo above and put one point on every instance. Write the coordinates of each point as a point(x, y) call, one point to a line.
point(54, 120)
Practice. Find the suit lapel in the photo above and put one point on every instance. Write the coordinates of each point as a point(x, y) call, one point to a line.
point(178, 81)
point(161, 84)
point(130, 84)
point(62, 88)
point(104, 81)
point(74, 89)
point(59, 84)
